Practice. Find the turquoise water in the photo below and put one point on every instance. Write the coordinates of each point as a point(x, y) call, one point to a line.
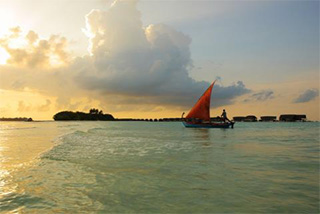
point(154, 167)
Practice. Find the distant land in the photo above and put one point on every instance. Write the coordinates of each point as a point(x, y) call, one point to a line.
point(98, 115)
point(25, 119)
point(94, 114)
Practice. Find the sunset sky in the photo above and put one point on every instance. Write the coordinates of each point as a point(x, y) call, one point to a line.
point(152, 59)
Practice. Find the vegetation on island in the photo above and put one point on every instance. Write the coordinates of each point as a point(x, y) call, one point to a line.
point(25, 119)
point(94, 114)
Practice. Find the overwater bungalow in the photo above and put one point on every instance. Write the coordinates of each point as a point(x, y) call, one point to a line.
point(292, 117)
point(250, 118)
point(268, 118)
point(239, 118)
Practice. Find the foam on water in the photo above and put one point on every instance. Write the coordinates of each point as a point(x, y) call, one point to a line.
point(141, 167)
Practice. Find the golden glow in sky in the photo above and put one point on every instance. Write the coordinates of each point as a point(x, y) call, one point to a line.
point(139, 69)
point(4, 56)
point(8, 20)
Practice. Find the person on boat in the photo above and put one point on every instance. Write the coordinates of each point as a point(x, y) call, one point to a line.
point(224, 116)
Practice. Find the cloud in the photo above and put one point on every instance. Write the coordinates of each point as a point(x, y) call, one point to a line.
point(152, 62)
point(128, 64)
point(4, 109)
point(32, 37)
point(28, 50)
point(225, 95)
point(261, 96)
point(307, 96)
point(45, 107)
point(22, 107)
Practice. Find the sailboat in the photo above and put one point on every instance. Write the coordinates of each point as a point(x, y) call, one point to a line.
point(199, 115)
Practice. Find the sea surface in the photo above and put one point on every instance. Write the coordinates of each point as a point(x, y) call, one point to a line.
point(158, 167)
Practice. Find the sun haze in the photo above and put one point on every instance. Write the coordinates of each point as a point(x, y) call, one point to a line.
point(132, 60)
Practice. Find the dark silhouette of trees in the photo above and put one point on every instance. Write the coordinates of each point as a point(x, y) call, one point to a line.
point(94, 114)
point(95, 111)
point(17, 119)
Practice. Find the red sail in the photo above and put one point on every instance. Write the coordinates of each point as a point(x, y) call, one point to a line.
point(201, 109)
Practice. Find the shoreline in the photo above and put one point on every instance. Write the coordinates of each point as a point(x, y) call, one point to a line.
point(152, 120)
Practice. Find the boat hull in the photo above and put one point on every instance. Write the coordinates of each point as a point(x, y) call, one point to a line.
point(208, 125)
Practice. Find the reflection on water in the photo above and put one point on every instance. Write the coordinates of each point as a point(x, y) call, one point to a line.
point(5, 186)
point(138, 167)
point(21, 144)
point(203, 134)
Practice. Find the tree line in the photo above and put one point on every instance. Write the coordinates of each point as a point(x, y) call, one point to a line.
point(94, 114)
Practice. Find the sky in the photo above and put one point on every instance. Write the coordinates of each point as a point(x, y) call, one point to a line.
point(153, 59)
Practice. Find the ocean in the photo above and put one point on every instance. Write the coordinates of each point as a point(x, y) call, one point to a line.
point(158, 167)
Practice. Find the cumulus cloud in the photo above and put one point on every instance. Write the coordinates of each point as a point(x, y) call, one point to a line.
point(15, 32)
point(28, 50)
point(307, 96)
point(261, 96)
point(128, 64)
point(22, 107)
point(45, 107)
point(152, 62)
point(225, 95)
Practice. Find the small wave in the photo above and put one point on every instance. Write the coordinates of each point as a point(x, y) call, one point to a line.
point(18, 128)
point(58, 142)
point(14, 202)
point(93, 130)
point(68, 126)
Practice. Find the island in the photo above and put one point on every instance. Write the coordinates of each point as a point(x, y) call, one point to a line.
point(24, 119)
point(98, 115)
point(94, 114)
